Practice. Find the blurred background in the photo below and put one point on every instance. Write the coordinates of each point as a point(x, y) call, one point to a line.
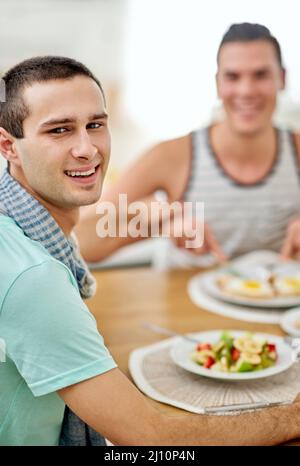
point(156, 58)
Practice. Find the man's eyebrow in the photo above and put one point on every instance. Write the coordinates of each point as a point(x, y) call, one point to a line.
point(230, 73)
point(62, 121)
point(230, 70)
point(262, 69)
point(98, 116)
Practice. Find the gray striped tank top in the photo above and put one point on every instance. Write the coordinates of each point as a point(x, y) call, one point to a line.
point(243, 217)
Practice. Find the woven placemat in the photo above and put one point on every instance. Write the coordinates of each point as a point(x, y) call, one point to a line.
point(160, 378)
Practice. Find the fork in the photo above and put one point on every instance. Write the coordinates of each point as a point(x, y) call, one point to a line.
point(266, 271)
point(166, 331)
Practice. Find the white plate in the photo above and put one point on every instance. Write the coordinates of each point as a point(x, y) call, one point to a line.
point(181, 355)
point(288, 320)
point(209, 283)
point(248, 264)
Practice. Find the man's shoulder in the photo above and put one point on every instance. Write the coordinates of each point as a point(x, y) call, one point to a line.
point(175, 147)
point(16, 245)
point(173, 159)
point(18, 253)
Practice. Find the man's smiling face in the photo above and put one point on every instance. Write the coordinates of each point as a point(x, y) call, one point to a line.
point(64, 154)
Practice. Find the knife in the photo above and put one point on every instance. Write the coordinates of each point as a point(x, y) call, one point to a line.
point(243, 406)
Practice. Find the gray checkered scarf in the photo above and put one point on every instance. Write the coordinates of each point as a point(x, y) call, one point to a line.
point(37, 223)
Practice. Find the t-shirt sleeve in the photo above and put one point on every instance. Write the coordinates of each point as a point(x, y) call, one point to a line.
point(49, 332)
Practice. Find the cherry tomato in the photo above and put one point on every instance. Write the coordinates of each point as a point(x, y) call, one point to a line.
point(204, 346)
point(209, 362)
point(271, 347)
point(235, 354)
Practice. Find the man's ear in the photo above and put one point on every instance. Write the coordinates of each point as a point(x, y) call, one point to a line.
point(217, 84)
point(8, 147)
point(283, 79)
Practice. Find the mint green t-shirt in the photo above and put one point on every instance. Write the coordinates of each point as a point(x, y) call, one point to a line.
point(50, 339)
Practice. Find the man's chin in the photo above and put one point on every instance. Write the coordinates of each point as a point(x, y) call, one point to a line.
point(88, 201)
point(87, 196)
point(82, 200)
point(247, 128)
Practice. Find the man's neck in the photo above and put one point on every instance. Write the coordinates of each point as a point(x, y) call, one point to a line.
point(246, 158)
point(243, 148)
point(66, 218)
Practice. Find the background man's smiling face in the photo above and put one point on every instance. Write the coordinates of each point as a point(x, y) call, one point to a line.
point(248, 80)
point(66, 146)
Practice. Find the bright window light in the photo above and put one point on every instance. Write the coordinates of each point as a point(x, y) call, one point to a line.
point(170, 60)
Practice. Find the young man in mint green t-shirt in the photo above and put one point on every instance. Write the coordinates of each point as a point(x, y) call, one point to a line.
point(54, 134)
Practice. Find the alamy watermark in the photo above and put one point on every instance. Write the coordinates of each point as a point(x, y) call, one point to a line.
point(2, 91)
point(2, 350)
point(155, 219)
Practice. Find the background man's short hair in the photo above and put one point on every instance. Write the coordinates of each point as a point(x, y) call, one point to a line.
point(38, 69)
point(248, 32)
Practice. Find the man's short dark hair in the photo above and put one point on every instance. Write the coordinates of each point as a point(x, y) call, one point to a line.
point(38, 69)
point(249, 32)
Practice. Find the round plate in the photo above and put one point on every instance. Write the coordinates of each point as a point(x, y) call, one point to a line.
point(288, 320)
point(181, 355)
point(210, 286)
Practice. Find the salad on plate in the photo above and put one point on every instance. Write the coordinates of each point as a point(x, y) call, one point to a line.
point(245, 353)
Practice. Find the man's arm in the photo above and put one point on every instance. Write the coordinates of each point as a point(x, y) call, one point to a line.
point(115, 408)
point(291, 245)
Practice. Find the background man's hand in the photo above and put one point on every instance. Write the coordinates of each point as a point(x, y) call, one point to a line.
point(210, 245)
point(291, 245)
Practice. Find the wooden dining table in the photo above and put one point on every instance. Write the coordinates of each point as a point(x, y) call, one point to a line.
point(126, 298)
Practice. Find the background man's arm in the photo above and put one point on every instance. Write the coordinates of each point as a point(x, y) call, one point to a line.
point(164, 167)
point(291, 245)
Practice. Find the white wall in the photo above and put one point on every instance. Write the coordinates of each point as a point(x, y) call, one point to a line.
point(88, 30)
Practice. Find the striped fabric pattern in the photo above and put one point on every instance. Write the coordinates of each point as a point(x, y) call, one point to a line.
point(37, 223)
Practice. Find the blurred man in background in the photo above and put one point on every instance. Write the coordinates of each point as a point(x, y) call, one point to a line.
point(245, 170)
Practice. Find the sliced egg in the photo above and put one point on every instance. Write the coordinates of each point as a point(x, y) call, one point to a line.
point(248, 345)
point(246, 288)
point(287, 286)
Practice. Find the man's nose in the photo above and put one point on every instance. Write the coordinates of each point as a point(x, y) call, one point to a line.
point(246, 87)
point(83, 147)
